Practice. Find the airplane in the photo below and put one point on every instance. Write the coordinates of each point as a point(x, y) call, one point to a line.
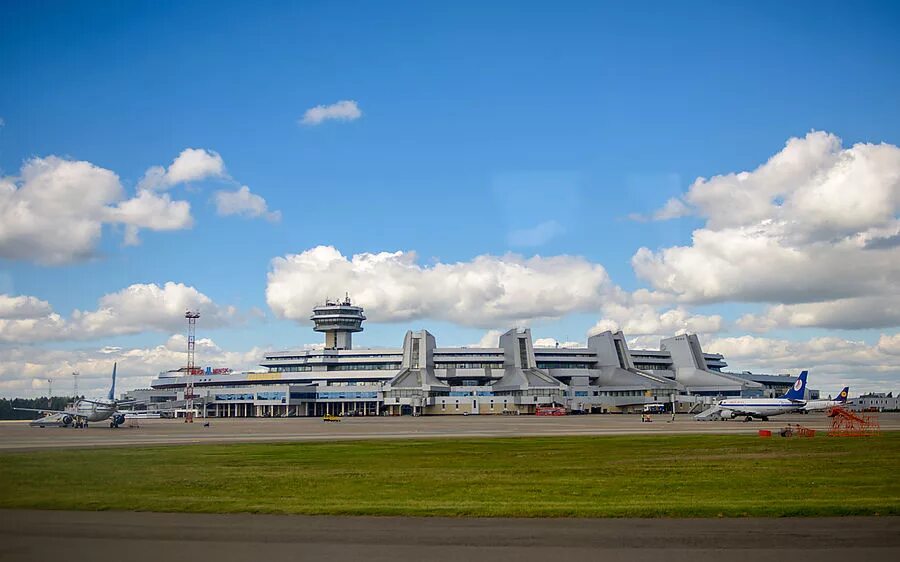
point(815, 405)
point(84, 411)
point(762, 408)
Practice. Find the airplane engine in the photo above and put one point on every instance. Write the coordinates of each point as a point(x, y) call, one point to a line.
point(119, 419)
point(66, 420)
point(726, 414)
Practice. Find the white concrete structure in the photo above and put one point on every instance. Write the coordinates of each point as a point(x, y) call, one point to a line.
point(422, 378)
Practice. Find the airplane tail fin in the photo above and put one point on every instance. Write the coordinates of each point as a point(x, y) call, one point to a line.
point(798, 391)
point(112, 389)
point(842, 397)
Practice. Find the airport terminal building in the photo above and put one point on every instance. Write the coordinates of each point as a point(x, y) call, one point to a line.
point(422, 378)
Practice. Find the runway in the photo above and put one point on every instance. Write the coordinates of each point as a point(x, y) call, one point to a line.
point(76, 536)
point(19, 436)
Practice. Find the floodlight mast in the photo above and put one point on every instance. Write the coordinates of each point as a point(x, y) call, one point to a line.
point(191, 316)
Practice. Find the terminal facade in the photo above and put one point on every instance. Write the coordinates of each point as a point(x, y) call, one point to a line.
point(422, 378)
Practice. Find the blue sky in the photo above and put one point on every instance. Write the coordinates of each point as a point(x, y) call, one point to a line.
point(478, 120)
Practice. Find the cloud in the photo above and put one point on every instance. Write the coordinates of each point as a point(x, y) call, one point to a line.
point(23, 307)
point(832, 362)
point(647, 320)
point(135, 309)
point(244, 203)
point(880, 311)
point(149, 210)
point(344, 110)
point(393, 287)
point(491, 338)
point(535, 236)
point(808, 226)
point(193, 164)
point(889, 344)
point(24, 369)
point(54, 212)
point(673, 209)
point(553, 342)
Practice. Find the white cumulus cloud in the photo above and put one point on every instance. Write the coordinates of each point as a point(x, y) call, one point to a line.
point(24, 369)
point(344, 110)
point(392, 286)
point(491, 338)
point(153, 211)
point(135, 309)
point(816, 225)
point(193, 164)
point(244, 203)
point(832, 362)
point(53, 213)
point(646, 320)
point(878, 311)
point(21, 307)
point(553, 342)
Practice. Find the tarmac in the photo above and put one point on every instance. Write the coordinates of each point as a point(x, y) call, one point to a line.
point(17, 436)
point(136, 537)
point(73, 536)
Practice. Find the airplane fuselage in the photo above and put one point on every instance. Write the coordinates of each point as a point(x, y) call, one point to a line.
point(760, 407)
point(94, 411)
point(813, 405)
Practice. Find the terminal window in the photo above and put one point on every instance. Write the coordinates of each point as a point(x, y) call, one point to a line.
point(414, 360)
point(523, 353)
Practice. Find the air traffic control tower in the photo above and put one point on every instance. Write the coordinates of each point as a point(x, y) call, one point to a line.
point(338, 319)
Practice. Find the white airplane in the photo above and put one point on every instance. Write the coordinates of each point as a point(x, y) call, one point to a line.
point(84, 411)
point(815, 405)
point(762, 408)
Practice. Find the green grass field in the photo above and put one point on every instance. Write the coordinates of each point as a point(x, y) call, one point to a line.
point(640, 476)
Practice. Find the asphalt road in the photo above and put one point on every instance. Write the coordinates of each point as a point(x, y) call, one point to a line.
point(136, 537)
point(19, 436)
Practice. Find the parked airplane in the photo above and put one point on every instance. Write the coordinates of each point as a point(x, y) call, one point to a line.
point(84, 411)
point(814, 405)
point(762, 408)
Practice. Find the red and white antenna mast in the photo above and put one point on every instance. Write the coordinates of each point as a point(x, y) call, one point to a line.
point(192, 316)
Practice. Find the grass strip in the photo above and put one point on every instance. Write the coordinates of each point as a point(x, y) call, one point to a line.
point(622, 476)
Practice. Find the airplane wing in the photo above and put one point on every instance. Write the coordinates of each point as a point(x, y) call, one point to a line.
point(45, 411)
point(58, 419)
point(737, 411)
point(46, 415)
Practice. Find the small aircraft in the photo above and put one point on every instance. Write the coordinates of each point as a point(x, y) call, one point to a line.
point(762, 408)
point(84, 411)
point(815, 405)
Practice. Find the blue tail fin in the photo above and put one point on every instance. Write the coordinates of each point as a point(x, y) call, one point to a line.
point(799, 389)
point(842, 397)
point(112, 389)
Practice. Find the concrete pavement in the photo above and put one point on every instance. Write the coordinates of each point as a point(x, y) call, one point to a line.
point(19, 436)
point(136, 537)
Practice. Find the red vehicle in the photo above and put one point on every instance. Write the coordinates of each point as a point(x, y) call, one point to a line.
point(550, 411)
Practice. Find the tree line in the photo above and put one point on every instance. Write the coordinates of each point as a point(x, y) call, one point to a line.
point(53, 403)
